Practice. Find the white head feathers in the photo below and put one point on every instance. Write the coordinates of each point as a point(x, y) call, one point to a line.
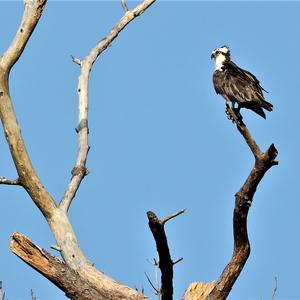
point(220, 55)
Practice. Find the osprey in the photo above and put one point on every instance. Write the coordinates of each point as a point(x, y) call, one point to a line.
point(237, 85)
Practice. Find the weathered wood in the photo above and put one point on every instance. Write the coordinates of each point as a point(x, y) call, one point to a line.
point(27, 175)
point(198, 290)
point(56, 216)
point(54, 269)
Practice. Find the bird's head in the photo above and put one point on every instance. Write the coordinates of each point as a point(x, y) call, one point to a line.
point(222, 52)
point(220, 55)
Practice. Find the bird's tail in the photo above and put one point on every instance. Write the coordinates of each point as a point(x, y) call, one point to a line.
point(266, 105)
point(258, 110)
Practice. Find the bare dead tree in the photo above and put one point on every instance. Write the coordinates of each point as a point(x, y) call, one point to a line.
point(74, 274)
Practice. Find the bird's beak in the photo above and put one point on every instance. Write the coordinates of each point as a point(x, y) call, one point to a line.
point(212, 55)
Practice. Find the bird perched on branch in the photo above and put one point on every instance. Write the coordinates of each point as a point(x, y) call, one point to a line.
point(237, 85)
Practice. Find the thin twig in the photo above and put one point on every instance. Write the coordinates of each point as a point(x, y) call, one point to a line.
point(124, 5)
point(32, 295)
point(168, 218)
point(2, 294)
point(156, 267)
point(152, 285)
point(7, 181)
point(275, 288)
point(76, 60)
point(177, 261)
point(157, 280)
point(55, 247)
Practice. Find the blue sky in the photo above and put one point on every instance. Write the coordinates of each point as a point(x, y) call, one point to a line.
point(160, 141)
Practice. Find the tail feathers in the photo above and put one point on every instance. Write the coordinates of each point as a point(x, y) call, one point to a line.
point(257, 106)
point(266, 105)
point(258, 110)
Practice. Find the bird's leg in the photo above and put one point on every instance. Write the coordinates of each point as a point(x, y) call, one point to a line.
point(238, 114)
point(232, 112)
point(228, 110)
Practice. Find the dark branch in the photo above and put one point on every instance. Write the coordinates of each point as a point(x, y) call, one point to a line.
point(165, 262)
point(156, 292)
point(177, 260)
point(243, 200)
point(237, 119)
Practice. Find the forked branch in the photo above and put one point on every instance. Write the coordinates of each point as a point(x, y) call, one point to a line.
point(75, 261)
point(165, 261)
point(220, 289)
point(243, 200)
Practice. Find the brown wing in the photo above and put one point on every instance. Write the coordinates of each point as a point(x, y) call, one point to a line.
point(241, 85)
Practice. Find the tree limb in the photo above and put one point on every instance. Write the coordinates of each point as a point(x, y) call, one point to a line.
point(57, 216)
point(220, 289)
point(165, 262)
point(243, 200)
point(82, 90)
point(27, 175)
point(53, 269)
point(33, 10)
point(238, 120)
